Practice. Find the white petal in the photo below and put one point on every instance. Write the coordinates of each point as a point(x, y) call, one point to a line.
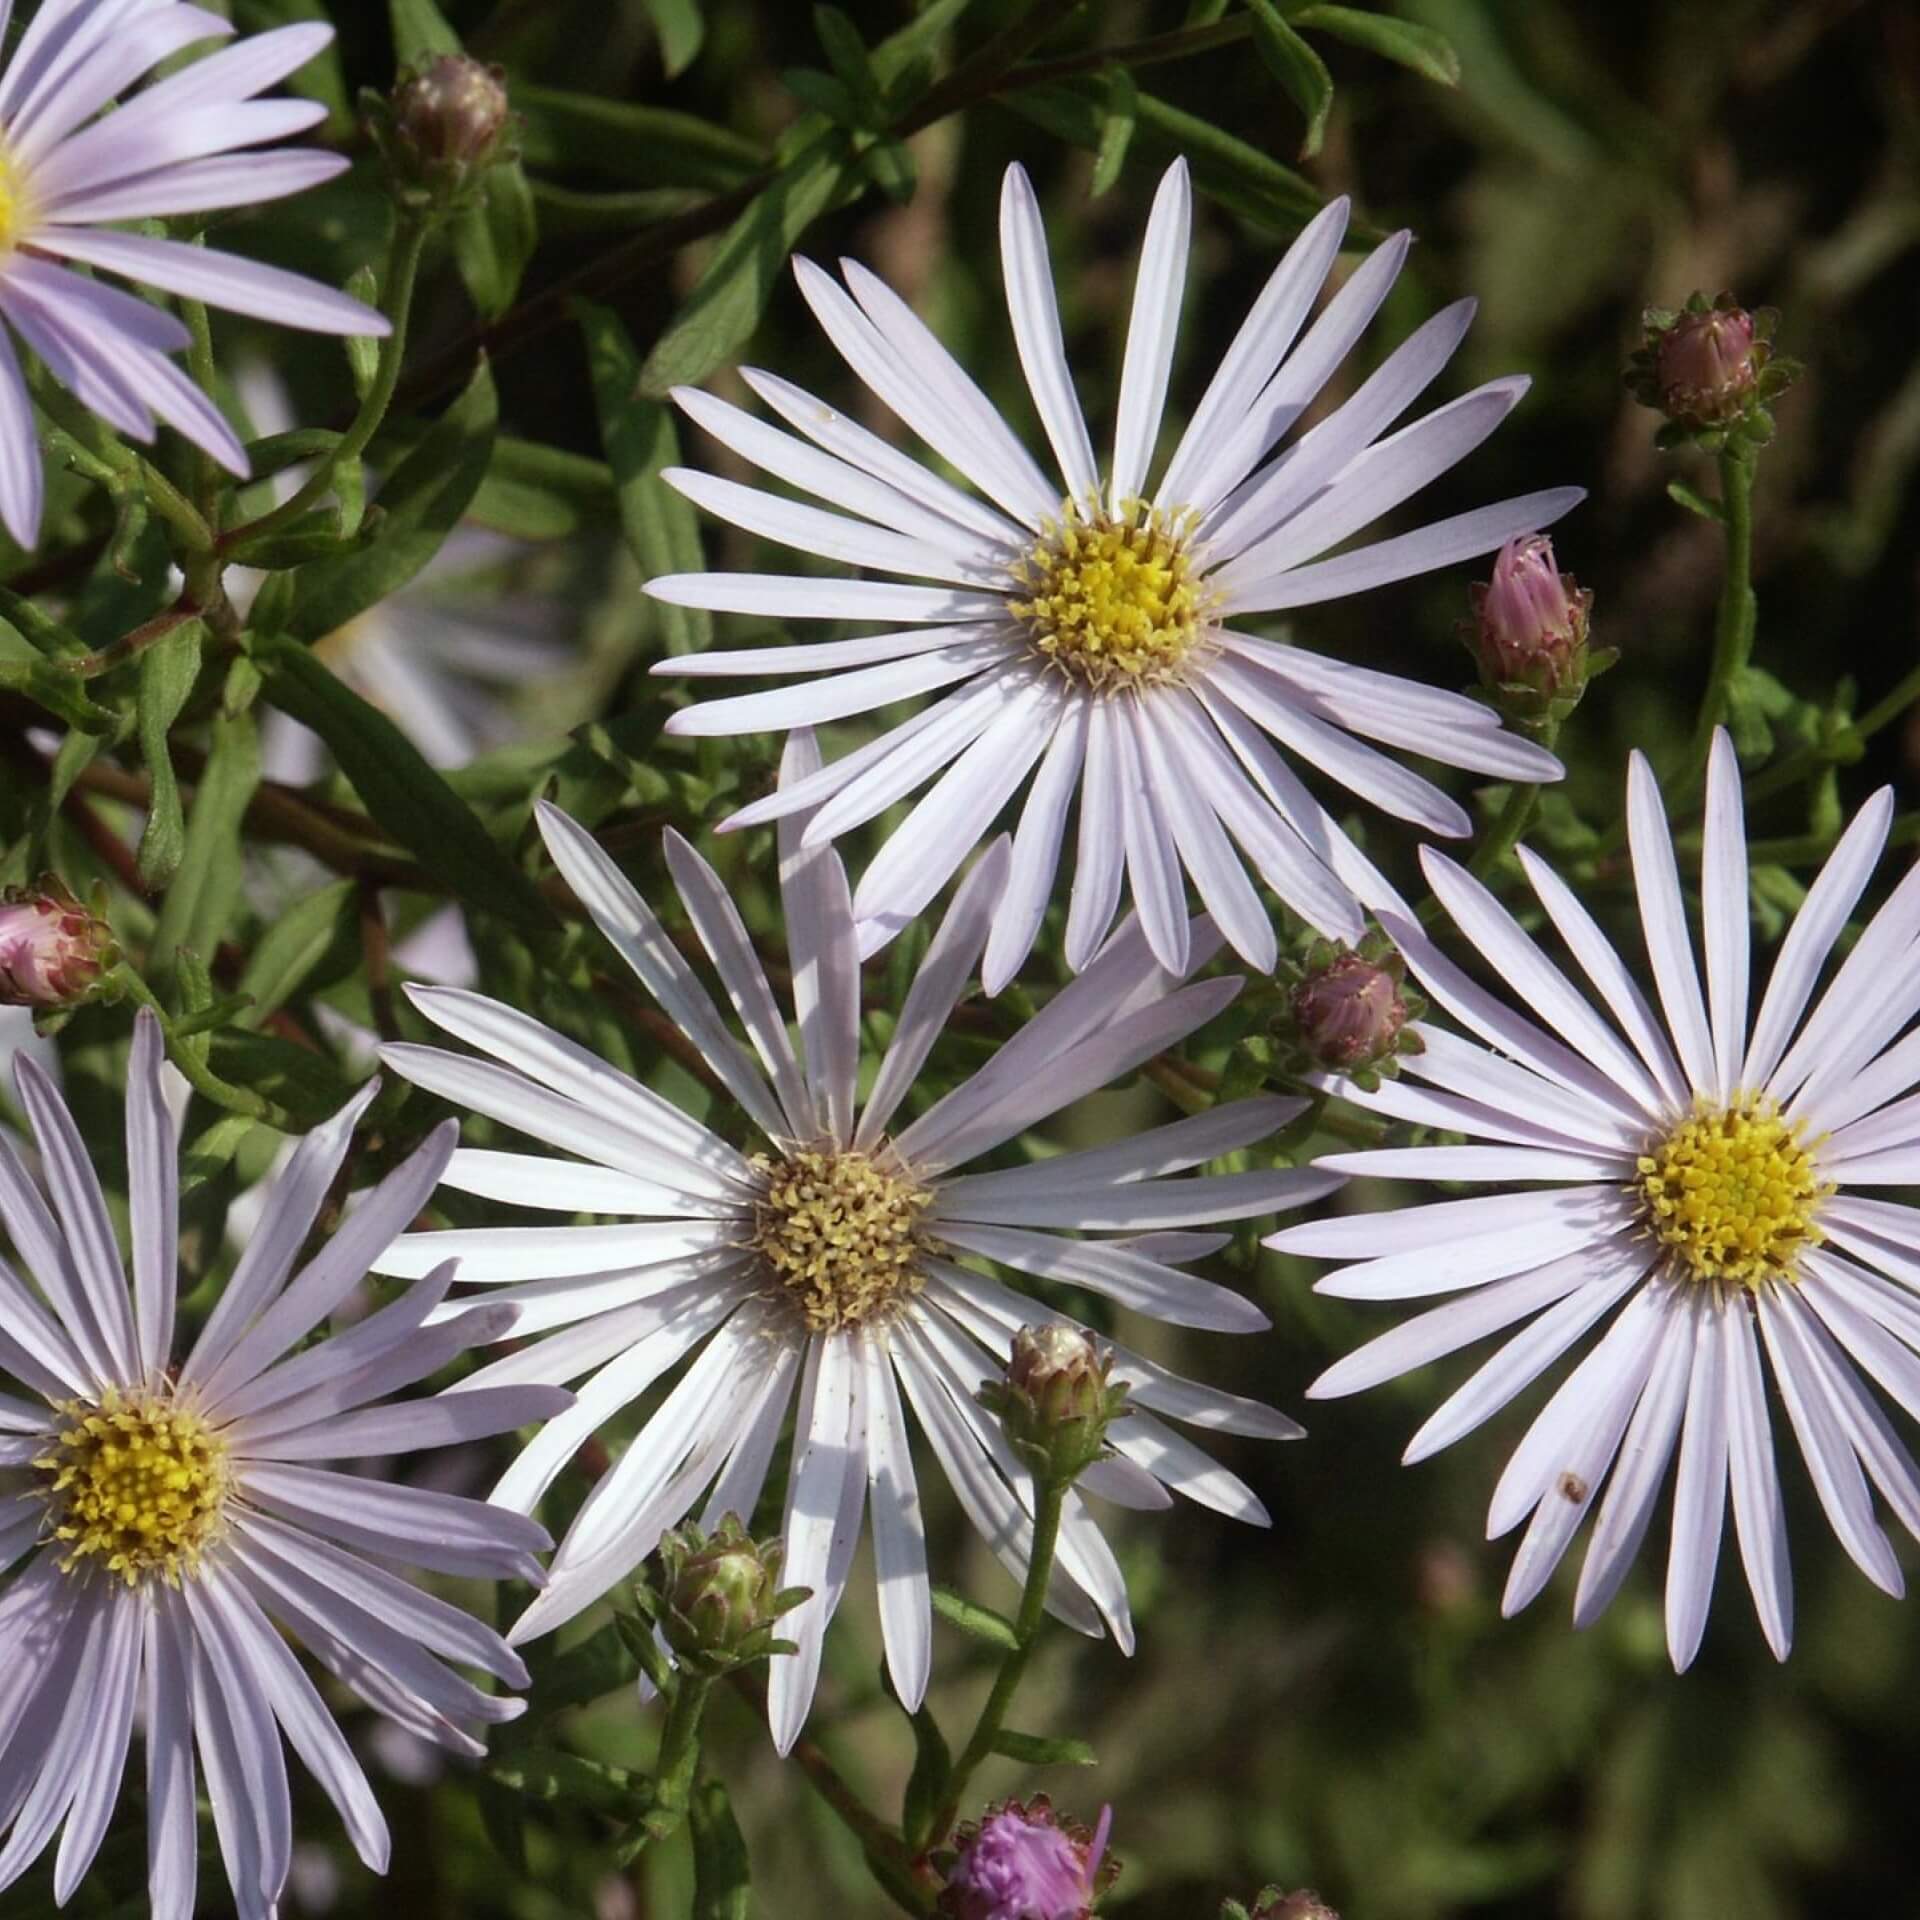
point(1699, 1496)
point(804, 596)
point(1036, 333)
point(1723, 912)
point(1151, 331)
point(1100, 859)
point(899, 1532)
point(1759, 1519)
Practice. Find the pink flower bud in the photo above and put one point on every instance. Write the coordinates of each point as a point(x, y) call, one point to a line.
point(52, 949)
point(1707, 366)
point(1023, 1863)
point(1531, 620)
point(1350, 1013)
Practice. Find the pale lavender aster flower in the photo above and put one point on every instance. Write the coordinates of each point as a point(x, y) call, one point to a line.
point(828, 1265)
point(179, 1530)
point(68, 172)
point(1692, 1178)
point(1084, 625)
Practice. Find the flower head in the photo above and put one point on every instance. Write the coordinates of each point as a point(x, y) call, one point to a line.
point(1711, 369)
point(175, 1528)
point(1023, 1862)
point(719, 1595)
point(1531, 620)
point(826, 1268)
point(52, 949)
point(1086, 627)
point(1349, 1012)
point(71, 175)
point(452, 112)
point(1694, 1180)
point(1057, 1400)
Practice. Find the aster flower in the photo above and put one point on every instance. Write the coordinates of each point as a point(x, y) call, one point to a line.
point(827, 1266)
point(1086, 626)
point(1024, 1862)
point(1692, 1178)
point(176, 1531)
point(180, 146)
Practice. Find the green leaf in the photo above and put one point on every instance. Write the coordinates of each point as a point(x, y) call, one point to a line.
point(421, 503)
point(681, 29)
point(1420, 48)
point(638, 146)
point(403, 794)
point(493, 242)
point(293, 945)
point(1236, 174)
point(168, 670)
point(927, 1783)
point(722, 1874)
point(532, 491)
point(1683, 495)
point(1116, 129)
point(1036, 1750)
point(1297, 67)
point(202, 896)
point(982, 1622)
point(716, 319)
point(420, 30)
point(596, 1667)
point(548, 1773)
point(305, 1083)
point(852, 65)
point(917, 41)
point(662, 530)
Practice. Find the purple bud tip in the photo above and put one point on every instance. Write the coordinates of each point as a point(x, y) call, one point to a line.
point(1707, 366)
point(1350, 1013)
point(52, 949)
point(1532, 618)
point(1021, 1863)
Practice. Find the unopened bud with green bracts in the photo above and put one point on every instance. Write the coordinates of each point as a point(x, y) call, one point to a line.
point(1710, 368)
point(1057, 1400)
point(1271, 1904)
point(54, 950)
point(716, 1597)
point(1349, 1011)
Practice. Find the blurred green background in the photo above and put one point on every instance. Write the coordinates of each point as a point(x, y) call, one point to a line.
point(1337, 1702)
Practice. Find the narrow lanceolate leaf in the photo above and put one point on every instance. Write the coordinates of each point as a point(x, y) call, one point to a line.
point(725, 307)
point(681, 27)
point(663, 532)
point(493, 242)
point(421, 503)
point(1036, 1750)
point(168, 670)
point(1298, 69)
point(852, 65)
point(200, 902)
point(722, 1875)
point(293, 946)
point(408, 799)
point(548, 1773)
point(1116, 130)
point(420, 30)
point(982, 1622)
point(634, 145)
point(1420, 48)
point(927, 1784)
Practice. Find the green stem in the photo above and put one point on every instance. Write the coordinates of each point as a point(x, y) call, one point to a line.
point(680, 1745)
point(1013, 1665)
point(206, 474)
point(196, 1072)
point(1514, 819)
point(403, 269)
point(1733, 625)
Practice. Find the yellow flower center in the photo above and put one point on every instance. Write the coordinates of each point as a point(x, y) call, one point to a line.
point(15, 217)
point(1112, 602)
point(138, 1486)
point(1733, 1194)
point(840, 1235)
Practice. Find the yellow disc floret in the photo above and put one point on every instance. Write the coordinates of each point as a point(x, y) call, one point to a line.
point(1112, 601)
point(14, 216)
point(839, 1234)
point(1733, 1194)
point(137, 1486)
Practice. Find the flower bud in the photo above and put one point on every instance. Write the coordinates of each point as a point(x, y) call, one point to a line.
point(1348, 1013)
point(1711, 369)
point(1056, 1403)
point(1304, 1904)
point(719, 1595)
point(1024, 1862)
point(453, 111)
point(1531, 620)
point(1706, 367)
point(53, 950)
